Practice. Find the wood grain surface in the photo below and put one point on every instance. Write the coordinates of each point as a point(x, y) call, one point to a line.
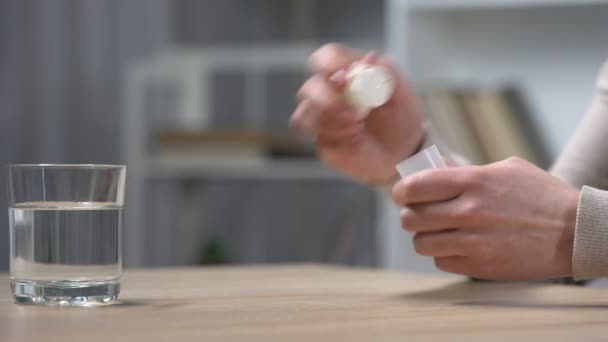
point(314, 303)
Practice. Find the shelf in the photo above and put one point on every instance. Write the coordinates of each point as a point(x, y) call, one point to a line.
point(267, 170)
point(446, 5)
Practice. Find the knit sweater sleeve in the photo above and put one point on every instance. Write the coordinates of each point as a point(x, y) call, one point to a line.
point(584, 164)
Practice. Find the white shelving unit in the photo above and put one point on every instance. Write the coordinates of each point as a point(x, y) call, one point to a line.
point(278, 170)
point(187, 69)
point(550, 49)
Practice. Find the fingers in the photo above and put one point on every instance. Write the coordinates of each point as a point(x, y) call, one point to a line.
point(331, 58)
point(452, 251)
point(462, 212)
point(370, 58)
point(346, 135)
point(325, 95)
point(323, 113)
point(454, 264)
point(431, 217)
point(322, 110)
point(442, 243)
point(435, 185)
point(326, 128)
point(305, 117)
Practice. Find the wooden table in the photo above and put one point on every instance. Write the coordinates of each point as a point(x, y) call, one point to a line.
point(314, 303)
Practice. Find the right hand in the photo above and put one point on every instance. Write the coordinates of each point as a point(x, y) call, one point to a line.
point(365, 150)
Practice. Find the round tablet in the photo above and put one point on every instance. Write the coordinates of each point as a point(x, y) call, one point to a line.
point(368, 88)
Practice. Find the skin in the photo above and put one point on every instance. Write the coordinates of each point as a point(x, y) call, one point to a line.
point(508, 220)
point(364, 150)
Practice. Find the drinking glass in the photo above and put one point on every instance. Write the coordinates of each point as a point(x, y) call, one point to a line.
point(65, 233)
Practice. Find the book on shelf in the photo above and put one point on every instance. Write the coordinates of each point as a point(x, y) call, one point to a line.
point(528, 126)
point(444, 112)
point(227, 147)
point(484, 124)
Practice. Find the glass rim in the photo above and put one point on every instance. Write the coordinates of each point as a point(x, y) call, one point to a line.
point(74, 166)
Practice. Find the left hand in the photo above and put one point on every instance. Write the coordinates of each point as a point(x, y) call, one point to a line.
point(509, 220)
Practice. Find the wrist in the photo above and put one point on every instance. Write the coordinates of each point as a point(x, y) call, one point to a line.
point(423, 142)
point(420, 141)
point(387, 183)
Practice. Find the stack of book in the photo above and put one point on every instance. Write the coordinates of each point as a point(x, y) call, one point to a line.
point(484, 125)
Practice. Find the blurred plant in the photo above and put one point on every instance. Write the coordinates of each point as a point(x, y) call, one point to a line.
point(213, 252)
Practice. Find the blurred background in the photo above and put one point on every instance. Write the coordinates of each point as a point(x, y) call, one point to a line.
point(194, 97)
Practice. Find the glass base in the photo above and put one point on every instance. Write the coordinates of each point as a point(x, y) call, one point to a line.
point(78, 293)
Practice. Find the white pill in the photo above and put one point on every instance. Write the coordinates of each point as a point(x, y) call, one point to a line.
point(368, 87)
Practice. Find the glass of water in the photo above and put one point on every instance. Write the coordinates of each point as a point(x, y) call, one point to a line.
point(65, 233)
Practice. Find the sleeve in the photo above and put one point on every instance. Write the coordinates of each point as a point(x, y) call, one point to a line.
point(584, 163)
point(590, 255)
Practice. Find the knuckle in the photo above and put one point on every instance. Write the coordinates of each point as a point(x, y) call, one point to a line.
point(407, 219)
point(396, 192)
point(323, 94)
point(469, 210)
point(331, 47)
point(326, 51)
point(474, 177)
point(301, 93)
point(304, 91)
point(401, 191)
point(295, 120)
point(515, 160)
point(315, 84)
point(421, 248)
point(303, 117)
point(409, 187)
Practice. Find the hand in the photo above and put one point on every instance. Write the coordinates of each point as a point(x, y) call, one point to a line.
point(365, 150)
point(508, 220)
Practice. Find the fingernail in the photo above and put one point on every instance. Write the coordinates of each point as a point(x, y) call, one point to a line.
point(338, 77)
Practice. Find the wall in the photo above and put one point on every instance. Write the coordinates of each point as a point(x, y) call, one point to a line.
point(62, 62)
point(61, 73)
